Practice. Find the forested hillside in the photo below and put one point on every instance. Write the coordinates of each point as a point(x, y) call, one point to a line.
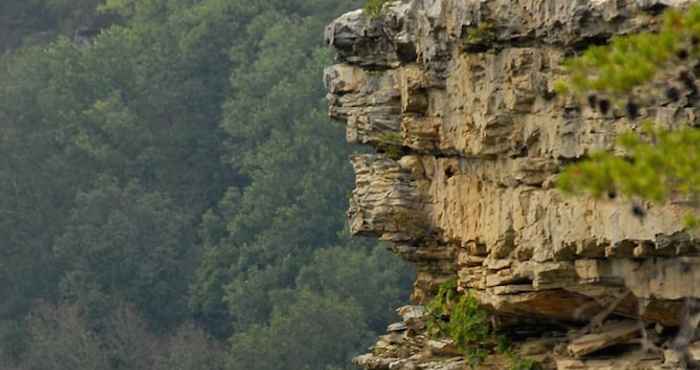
point(172, 195)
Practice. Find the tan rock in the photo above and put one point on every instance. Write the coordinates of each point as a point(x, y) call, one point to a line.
point(443, 347)
point(470, 140)
point(610, 335)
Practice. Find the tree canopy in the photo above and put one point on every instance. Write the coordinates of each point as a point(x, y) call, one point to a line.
point(170, 186)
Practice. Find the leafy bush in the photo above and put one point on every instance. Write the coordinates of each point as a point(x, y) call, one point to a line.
point(439, 308)
point(469, 323)
point(469, 326)
point(463, 321)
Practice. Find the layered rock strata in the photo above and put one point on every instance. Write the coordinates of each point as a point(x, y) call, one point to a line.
point(457, 98)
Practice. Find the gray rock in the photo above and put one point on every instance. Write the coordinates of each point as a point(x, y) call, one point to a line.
point(396, 327)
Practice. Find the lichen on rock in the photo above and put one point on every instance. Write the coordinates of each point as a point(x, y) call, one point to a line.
point(462, 92)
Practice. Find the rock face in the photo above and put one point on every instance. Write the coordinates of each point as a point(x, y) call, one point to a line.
point(457, 98)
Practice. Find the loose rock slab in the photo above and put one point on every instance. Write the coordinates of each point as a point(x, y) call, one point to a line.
point(610, 335)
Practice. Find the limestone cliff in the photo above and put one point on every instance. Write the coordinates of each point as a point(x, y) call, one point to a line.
point(457, 98)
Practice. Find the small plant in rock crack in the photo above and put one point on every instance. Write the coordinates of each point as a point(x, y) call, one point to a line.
point(479, 37)
point(374, 7)
point(392, 151)
point(391, 137)
point(391, 144)
point(519, 363)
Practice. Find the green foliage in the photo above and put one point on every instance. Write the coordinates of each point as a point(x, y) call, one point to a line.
point(394, 152)
point(519, 363)
point(294, 165)
point(479, 36)
point(633, 60)
point(471, 331)
point(129, 245)
point(331, 327)
point(440, 307)
point(461, 318)
point(391, 137)
point(38, 22)
point(61, 338)
point(659, 165)
point(190, 348)
point(183, 165)
point(469, 324)
point(374, 7)
point(13, 342)
point(391, 143)
point(376, 280)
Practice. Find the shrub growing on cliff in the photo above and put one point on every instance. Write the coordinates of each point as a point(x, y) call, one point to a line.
point(461, 318)
point(470, 329)
point(659, 164)
point(440, 307)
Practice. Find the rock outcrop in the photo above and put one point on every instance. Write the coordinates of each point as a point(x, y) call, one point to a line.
point(457, 98)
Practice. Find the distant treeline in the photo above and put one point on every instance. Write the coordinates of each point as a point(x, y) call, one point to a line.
point(172, 195)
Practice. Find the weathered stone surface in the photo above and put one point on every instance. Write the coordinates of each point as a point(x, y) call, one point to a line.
point(636, 361)
point(385, 201)
point(396, 327)
point(610, 335)
point(457, 98)
point(443, 347)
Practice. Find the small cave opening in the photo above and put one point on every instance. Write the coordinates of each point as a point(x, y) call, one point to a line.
point(450, 172)
point(406, 52)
